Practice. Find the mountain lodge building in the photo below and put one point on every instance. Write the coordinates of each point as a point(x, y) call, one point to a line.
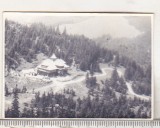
point(52, 67)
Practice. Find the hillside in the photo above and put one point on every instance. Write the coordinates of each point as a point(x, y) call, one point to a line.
point(100, 82)
point(138, 48)
point(27, 41)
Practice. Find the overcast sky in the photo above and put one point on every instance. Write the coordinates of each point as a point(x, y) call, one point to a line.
point(91, 26)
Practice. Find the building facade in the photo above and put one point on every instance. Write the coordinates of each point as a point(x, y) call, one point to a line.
point(52, 67)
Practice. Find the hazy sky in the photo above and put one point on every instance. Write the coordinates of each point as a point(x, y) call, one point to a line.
point(90, 26)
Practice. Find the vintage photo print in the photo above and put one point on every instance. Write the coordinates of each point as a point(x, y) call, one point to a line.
point(77, 65)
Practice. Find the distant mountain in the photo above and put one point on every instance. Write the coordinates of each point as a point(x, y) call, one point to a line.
point(138, 49)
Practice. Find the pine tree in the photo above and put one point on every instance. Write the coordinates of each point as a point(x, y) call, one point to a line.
point(6, 90)
point(116, 61)
point(57, 30)
point(64, 31)
point(148, 74)
point(87, 78)
point(91, 70)
point(8, 113)
point(24, 89)
point(15, 104)
point(114, 77)
point(127, 73)
point(25, 112)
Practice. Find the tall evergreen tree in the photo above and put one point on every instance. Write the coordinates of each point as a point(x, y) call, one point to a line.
point(6, 90)
point(15, 104)
point(148, 74)
point(64, 31)
point(87, 78)
point(116, 60)
point(114, 77)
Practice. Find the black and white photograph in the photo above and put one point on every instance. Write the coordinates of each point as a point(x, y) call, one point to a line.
point(77, 65)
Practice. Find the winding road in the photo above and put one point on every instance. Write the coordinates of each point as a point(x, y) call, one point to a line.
point(128, 84)
point(58, 86)
point(131, 92)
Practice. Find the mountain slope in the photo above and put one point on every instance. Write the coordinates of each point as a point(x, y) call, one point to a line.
point(138, 49)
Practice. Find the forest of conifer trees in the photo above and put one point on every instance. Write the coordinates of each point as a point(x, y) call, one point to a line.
point(111, 101)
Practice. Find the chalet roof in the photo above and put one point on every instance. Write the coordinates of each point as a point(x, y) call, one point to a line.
point(49, 64)
point(60, 62)
point(53, 56)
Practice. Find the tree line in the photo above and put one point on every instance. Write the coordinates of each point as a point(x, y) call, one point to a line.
point(103, 105)
point(27, 41)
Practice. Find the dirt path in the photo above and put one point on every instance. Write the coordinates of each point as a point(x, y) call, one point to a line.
point(131, 92)
point(59, 86)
